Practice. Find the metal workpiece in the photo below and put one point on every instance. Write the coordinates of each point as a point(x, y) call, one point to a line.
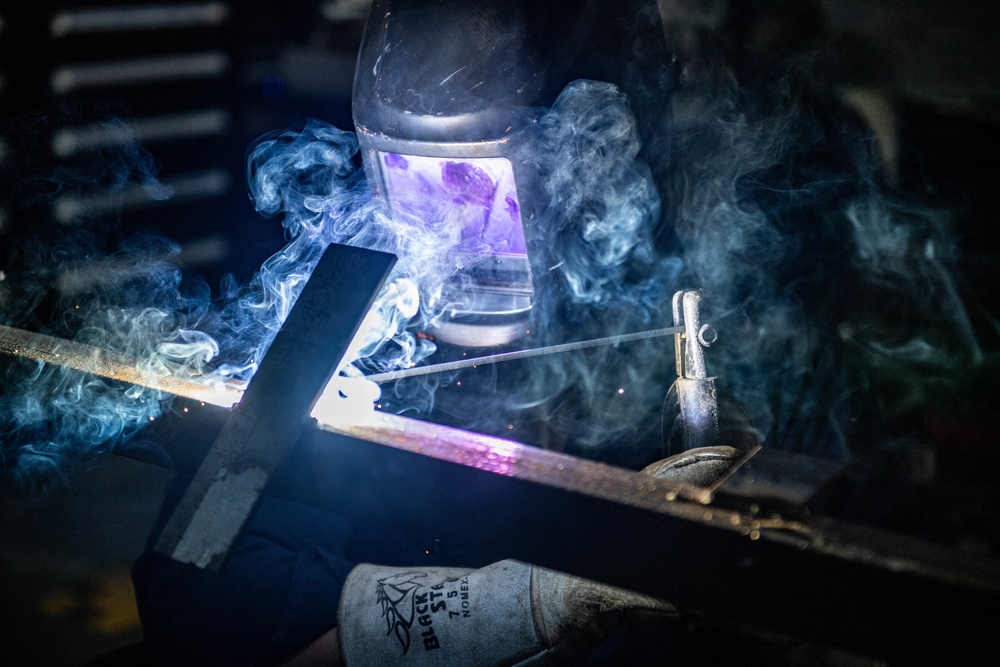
point(268, 421)
point(745, 552)
point(740, 553)
point(524, 462)
point(696, 392)
point(113, 366)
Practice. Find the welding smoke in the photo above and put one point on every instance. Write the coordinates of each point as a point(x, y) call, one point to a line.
point(71, 283)
point(597, 273)
point(312, 180)
point(595, 230)
point(133, 301)
point(835, 292)
point(834, 295)
point(136, 301)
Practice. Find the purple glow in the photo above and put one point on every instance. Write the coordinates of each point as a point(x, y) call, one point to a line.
point(474, 198)
point(394, 161)
point(468, 182)
point(513, 210)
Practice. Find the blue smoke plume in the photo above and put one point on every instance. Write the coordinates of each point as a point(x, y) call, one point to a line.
point(132, 301)
point(834, 296)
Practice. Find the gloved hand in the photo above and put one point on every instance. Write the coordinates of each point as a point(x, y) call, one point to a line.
point(508, 613)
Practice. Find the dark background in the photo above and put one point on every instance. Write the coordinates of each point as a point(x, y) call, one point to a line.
point(922, 74)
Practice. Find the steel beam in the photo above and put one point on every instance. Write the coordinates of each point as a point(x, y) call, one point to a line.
point(269, 418)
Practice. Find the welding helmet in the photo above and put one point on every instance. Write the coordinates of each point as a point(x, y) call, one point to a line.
point(445, 93)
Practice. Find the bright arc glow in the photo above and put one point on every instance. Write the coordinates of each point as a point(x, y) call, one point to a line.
point(223, 395)
point(347, 400)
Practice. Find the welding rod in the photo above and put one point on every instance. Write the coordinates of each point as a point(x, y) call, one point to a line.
point(520, 354)
point(112, 365)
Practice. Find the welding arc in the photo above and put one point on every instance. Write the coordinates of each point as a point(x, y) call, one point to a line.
point(520, 354)
point(95, 360)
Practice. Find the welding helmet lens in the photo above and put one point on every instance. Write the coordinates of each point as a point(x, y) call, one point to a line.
point(473, 206)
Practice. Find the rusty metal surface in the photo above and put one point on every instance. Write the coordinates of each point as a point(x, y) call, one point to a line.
point(112, 365)
point(513, 459)
point(777, 474)
point(267, 422)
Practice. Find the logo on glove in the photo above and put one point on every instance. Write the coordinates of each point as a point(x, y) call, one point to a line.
point(404, 599)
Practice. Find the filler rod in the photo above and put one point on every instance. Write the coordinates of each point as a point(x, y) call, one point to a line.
point(520, 354)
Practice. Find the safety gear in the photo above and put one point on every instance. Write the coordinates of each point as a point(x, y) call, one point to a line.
point(508, 613)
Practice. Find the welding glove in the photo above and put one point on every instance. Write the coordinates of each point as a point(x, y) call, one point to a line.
point(508, 613)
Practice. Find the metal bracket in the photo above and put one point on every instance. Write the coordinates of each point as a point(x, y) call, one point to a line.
point(266, 424)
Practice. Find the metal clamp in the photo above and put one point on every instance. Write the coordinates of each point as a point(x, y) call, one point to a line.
point(695, 389)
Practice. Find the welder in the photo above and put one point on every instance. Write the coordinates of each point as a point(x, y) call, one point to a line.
point(450, 83)
point(304, 587)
